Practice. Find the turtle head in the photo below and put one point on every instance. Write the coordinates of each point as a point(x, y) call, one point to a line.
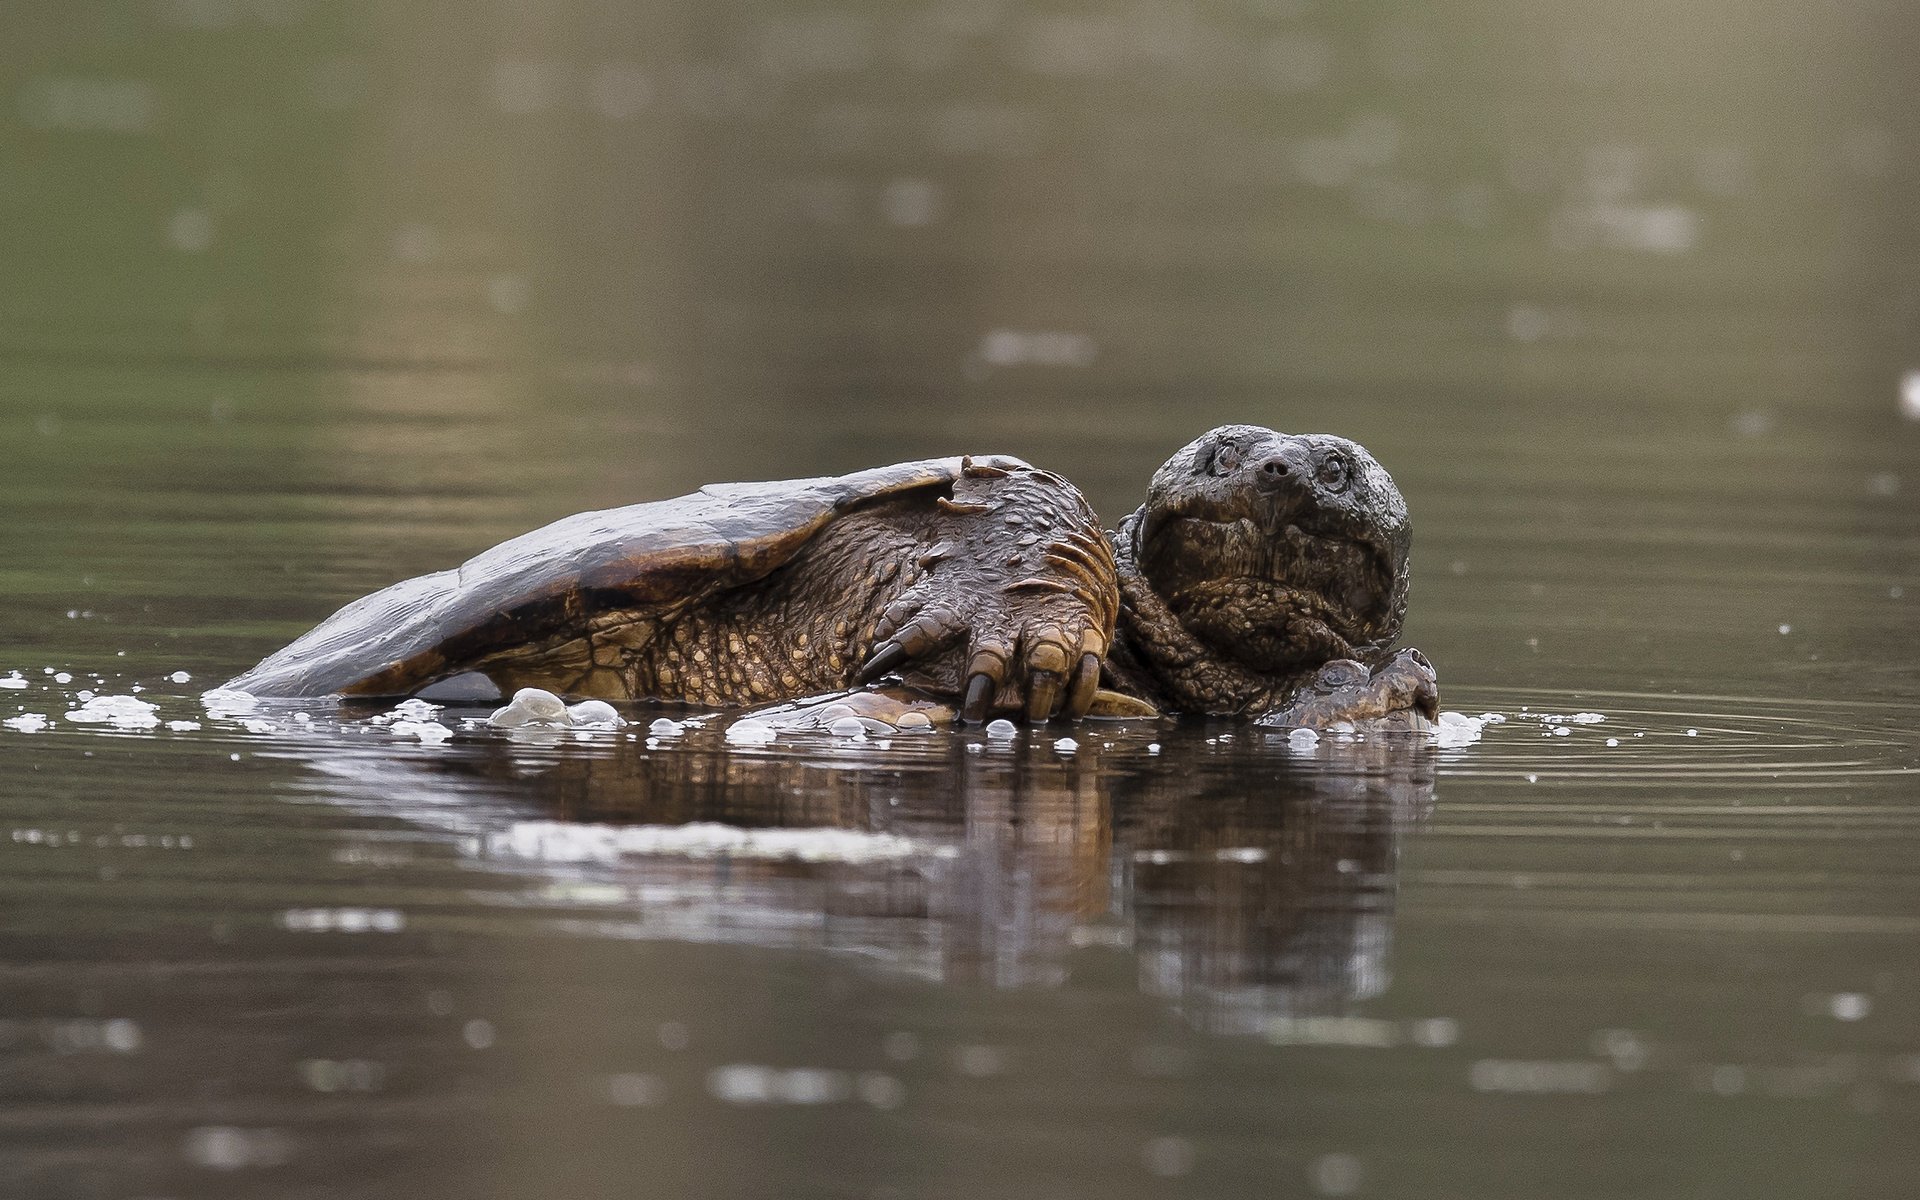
point(1279, 551)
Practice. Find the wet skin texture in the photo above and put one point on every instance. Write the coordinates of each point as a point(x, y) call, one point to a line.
point(1266, 574)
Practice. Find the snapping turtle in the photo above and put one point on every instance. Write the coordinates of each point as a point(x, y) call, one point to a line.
point(1266, 574)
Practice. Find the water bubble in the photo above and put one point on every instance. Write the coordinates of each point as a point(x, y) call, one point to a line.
point(751, 733)
point(478, 1033)
point(595, 714)
point(531, 706)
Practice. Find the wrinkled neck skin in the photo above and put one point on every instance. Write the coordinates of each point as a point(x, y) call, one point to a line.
point(1159, 659)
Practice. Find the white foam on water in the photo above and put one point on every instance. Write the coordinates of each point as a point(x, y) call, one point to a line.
point(431, 733)
point(121, 712)
point(1066, 746)
point(183, 726)
point(1002, 729)
point(415, 709)
point(228, 702)
point(663, 728)
point(751, 733)
point(13, 681)
point(26, 722)
point(1302, 739)
point(530, 706)
point(569, 842)
point(595, 714)
point(848, 727)
point(1454, 729)
point(180, 677)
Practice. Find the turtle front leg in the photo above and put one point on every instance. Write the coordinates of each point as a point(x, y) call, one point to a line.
point(1397, 696)
point(1017, 607)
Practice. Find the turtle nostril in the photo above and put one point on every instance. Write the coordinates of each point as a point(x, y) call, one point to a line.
point(1274, 466)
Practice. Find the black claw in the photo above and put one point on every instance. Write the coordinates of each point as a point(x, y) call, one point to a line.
point(1043, 697)
point(1086, 682)
point(886, 658)
point(979, 696)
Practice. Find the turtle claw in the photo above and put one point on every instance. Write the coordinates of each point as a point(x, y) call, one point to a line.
point(1004, 622)
point(888, 656)
point(979, 699)
point(1043, 697)
point(1085, 685)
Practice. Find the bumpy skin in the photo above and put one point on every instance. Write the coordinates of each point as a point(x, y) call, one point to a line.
point(1266, 574)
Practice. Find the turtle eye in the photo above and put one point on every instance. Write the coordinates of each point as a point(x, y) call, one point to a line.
point(1333, 474)
point(1226, 460)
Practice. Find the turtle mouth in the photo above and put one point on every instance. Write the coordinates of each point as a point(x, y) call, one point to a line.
point(1191, 549)
point(1249, 587)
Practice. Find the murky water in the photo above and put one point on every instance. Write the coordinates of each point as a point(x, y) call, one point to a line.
point(299, 299)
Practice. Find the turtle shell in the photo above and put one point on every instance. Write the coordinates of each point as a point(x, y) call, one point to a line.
point(661, 556)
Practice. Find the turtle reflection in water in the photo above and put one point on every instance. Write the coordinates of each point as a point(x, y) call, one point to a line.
point(1266, 575)
point(1252, 883)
